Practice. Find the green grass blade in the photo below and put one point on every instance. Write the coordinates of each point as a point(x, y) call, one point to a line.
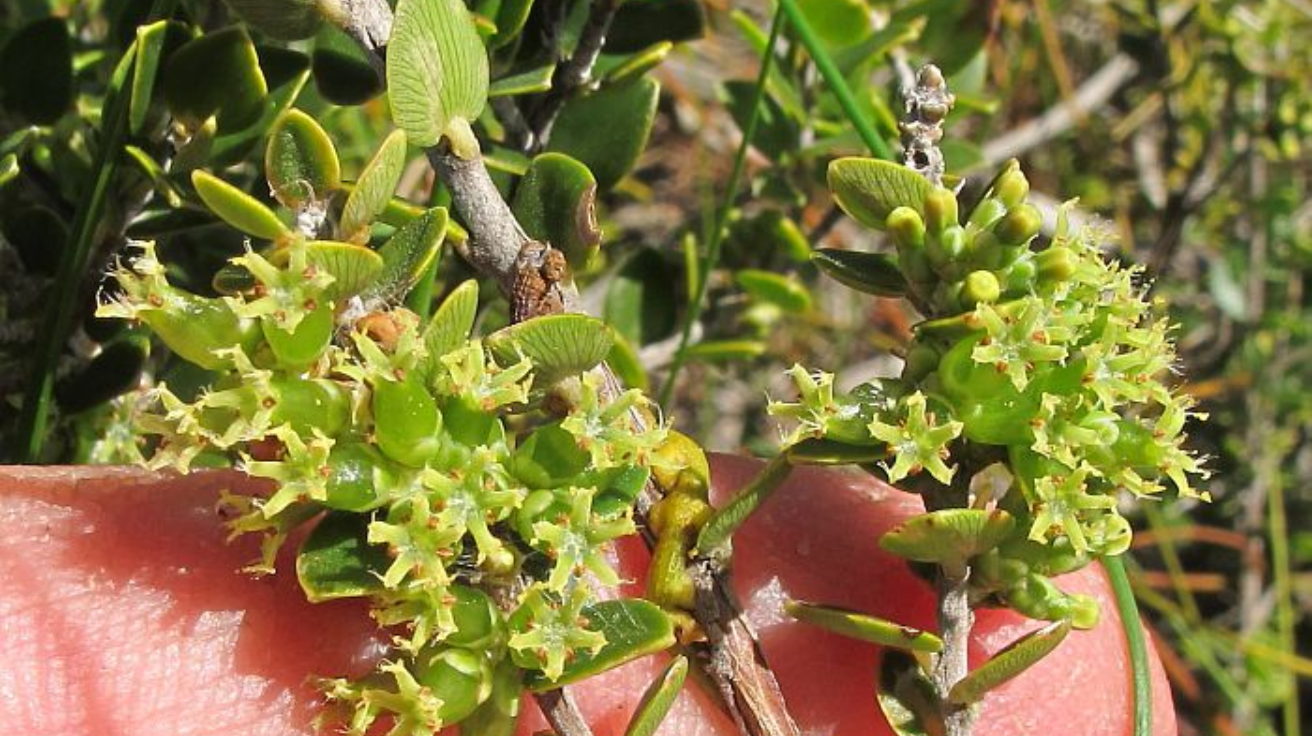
point(1129, 610)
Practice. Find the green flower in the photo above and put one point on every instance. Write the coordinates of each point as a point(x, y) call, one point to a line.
point(917, 442)
point(604, 429)
point(575, 542)
point(284, 295)
point(555, 630)
point(302, 473)
point(1014, 344)
point(1060, 503)
point(466, 371)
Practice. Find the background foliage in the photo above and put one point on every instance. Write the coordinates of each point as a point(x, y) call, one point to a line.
point(1185, 124)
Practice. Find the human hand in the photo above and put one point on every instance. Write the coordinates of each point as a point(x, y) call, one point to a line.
point(121, 611)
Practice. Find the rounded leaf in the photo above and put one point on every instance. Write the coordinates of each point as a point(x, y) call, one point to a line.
point(300, 161)
point(872, 273)
point(559, 345)
point(869, 189)
point(948, 536)
point(408, 255)
point(353, 267)
point(453, 320)
point(556, 203)
point(775, 289)
point(607, 130)
point(437, 71)
point(337, 561)
point(342, 71)
point(216, 74)
point(237, 208)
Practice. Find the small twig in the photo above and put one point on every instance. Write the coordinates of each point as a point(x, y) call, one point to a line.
point(562, 713)
point(572, 74)
point(495, 236)
point(927, 103)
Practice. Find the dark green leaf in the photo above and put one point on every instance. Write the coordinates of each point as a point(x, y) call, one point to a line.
point(864, 627)
point(286, 71)
point(300, 161)
point(341, 69)
point(559, 345)
point(872, 273)
point(374, 189)
point(39, 235)
point(868, 189)
point(713, 540)
point(1017, 657)
point(641, 23)
point(556, 203)
point(658, 699)
point(285, 20)
point(407, 255)
point(156, 224)
point(159, 178)
point(337, 561)
point(837, 22)
point(776, 132)
point(437, 73)
point(154, 42)
point(509, 17)
point(216, 74)
point(633, 628)
point(36, 71)
point(907, 697)
point(608, 129)
point(637, 302)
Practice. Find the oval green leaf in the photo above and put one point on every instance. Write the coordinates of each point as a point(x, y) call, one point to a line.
point(559, 345)
point(1017, 657)
point(725, 351)
point(352, 266)
point(948, 536)
point(287, 72)
point(408, 255)
point(237, 208)
point(658, 699)
point(837, 22)
point(864, 627)
point(453, 321)
point(36, 71)
point(437, 73)
point(342, 71)
point(641, 23)
point(300, 161)
point(285, 20)
point(154, 42)
point(337, 561)
point(374, 189)
point(907, 697)
point(556, 203)
point(773, 288)
point(633, 628)
point(831, 452)
point(525, 83)
point(868, 189)
point(216, 74)
point(872, 273)
point(639, 63)
point(607, 130)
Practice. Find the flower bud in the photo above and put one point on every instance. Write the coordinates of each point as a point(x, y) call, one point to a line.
point(1020, 225)
point(1054, 264)
point(980, 287)
point(940, 209)
point(1011, 188)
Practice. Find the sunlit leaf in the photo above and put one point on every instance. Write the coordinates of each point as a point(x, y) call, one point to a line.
point(658, 699)
point(300, 161)
point(864, 627)
point(523, 83)
point(154, 43)
point(633, 628)
point(408, 255)
point(556, 202)
point(559, 345)
point(1017, 657)
point(607, 130)
point(337, 561)
point(948, 536)
point(776, 289)
point(374, 189)
point(453, 320)
point(868, 189)
point(237, 208)
point(437, 73)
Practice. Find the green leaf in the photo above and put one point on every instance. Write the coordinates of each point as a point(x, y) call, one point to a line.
point(524, 83)
point(1017, 657)
point(285, 20)
point(641, 23)
point(837, 22)
point(776, 289)
point(864, 627)
point(453, 321)
point(872, 273)
point(509, 16)
point(8, 168)
point(906, 696)
point(437, 73)
point(637, 301)
point(877, 45)
point(154, 42)
point(713, 540)
point(342, 71)
point(556, 203)
point(658, 699)
point(831, 452)
point(408, 255)
point(560, 345)
point(237, 208)
point(159, 178)
point(300, 161)
point(948, 536)
point(626, 364)
point(337, 561)
point(286, 72)
point(374, 189)
point(607, 130)
point(353, 267)
point(776, 132)
point(36, 71)
point(216, 74)
point(633, 628)
point(631, 68)
point(868, 189)
point(725, 351)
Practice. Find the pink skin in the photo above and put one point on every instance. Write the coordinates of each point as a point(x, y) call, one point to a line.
point(121, 613)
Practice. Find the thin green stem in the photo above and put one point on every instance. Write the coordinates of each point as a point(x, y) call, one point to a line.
point(1129, 610)
point(716, 236)
point(72, 264)
point(834, 78)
